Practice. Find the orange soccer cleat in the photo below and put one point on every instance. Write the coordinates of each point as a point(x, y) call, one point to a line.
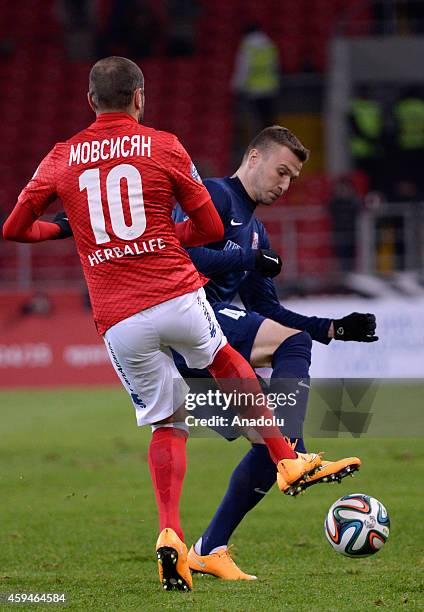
point(333, 471)
point(291, 472)
point(218, 563)
point(174, 571)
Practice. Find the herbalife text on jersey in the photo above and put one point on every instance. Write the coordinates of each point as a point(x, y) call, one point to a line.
point(135, 248)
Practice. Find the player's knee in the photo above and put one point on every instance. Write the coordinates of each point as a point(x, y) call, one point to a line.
point(228, 363)
point(304, 339)
point(298, 345)
point(226, 352)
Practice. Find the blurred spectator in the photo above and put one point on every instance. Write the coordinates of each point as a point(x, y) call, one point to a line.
point(256, 82)
point(182, 16)
point(134, 28)
point(409, 121)
point(79, 21)
point(366, 126)
point(38, 304)
point(344, 209)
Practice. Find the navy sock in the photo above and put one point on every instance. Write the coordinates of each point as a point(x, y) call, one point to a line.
point(290, 375)
point(250, 481)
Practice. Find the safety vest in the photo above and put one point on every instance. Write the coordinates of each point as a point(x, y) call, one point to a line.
point(410, 119)
point(369, 122)
point(262, 74)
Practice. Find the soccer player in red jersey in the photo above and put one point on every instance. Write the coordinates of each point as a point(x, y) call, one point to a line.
point(118, 180)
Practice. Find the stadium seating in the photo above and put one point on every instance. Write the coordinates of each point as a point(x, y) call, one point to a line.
point(44, 93)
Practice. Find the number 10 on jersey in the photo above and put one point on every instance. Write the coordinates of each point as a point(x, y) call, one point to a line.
point(90, 180)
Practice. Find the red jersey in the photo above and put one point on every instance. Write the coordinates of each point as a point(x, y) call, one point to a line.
point(117, 180)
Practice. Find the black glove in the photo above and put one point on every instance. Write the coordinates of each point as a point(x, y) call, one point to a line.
point(268, 263)
point(356, 326)
point(61, 219)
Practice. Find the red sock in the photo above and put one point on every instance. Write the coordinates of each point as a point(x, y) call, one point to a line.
point(167, 463)
point(228, 363)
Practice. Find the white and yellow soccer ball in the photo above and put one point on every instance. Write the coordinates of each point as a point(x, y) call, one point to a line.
point(357, 525)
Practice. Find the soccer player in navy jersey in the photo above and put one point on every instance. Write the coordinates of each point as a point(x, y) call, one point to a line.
point(264, 332)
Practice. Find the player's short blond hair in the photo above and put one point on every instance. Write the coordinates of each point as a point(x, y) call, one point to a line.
point(113, 81)
point(281, 136)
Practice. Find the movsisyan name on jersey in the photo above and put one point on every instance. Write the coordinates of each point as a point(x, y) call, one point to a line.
point(357, 525)
point(92, 151)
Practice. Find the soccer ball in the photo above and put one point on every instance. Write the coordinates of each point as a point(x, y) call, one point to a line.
point(357, 525)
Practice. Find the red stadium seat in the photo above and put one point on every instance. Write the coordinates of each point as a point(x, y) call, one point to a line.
point(190, 96)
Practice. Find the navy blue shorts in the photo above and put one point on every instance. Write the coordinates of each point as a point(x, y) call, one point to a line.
point(240, 328)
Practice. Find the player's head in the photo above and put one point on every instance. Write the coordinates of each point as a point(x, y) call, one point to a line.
point(116, 84)
point(272, 160)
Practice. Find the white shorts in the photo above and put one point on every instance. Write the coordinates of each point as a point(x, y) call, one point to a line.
point(139, 350)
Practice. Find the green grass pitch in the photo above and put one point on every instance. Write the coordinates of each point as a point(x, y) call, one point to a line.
point(77, 514)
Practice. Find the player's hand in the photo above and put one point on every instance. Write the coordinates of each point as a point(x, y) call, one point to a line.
point(61, 219)
point(356, 326)
point(268, 262)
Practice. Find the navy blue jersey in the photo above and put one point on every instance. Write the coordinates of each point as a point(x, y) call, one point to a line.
point(230, 263)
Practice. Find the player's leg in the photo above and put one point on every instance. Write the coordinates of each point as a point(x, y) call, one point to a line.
point(254, 476)
point(289, 356)
point(148, 373)
point(256, 469)
point(251, 479)
point(266, 343)
point(167, 464)
point(288, 352)
point(229, 367)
